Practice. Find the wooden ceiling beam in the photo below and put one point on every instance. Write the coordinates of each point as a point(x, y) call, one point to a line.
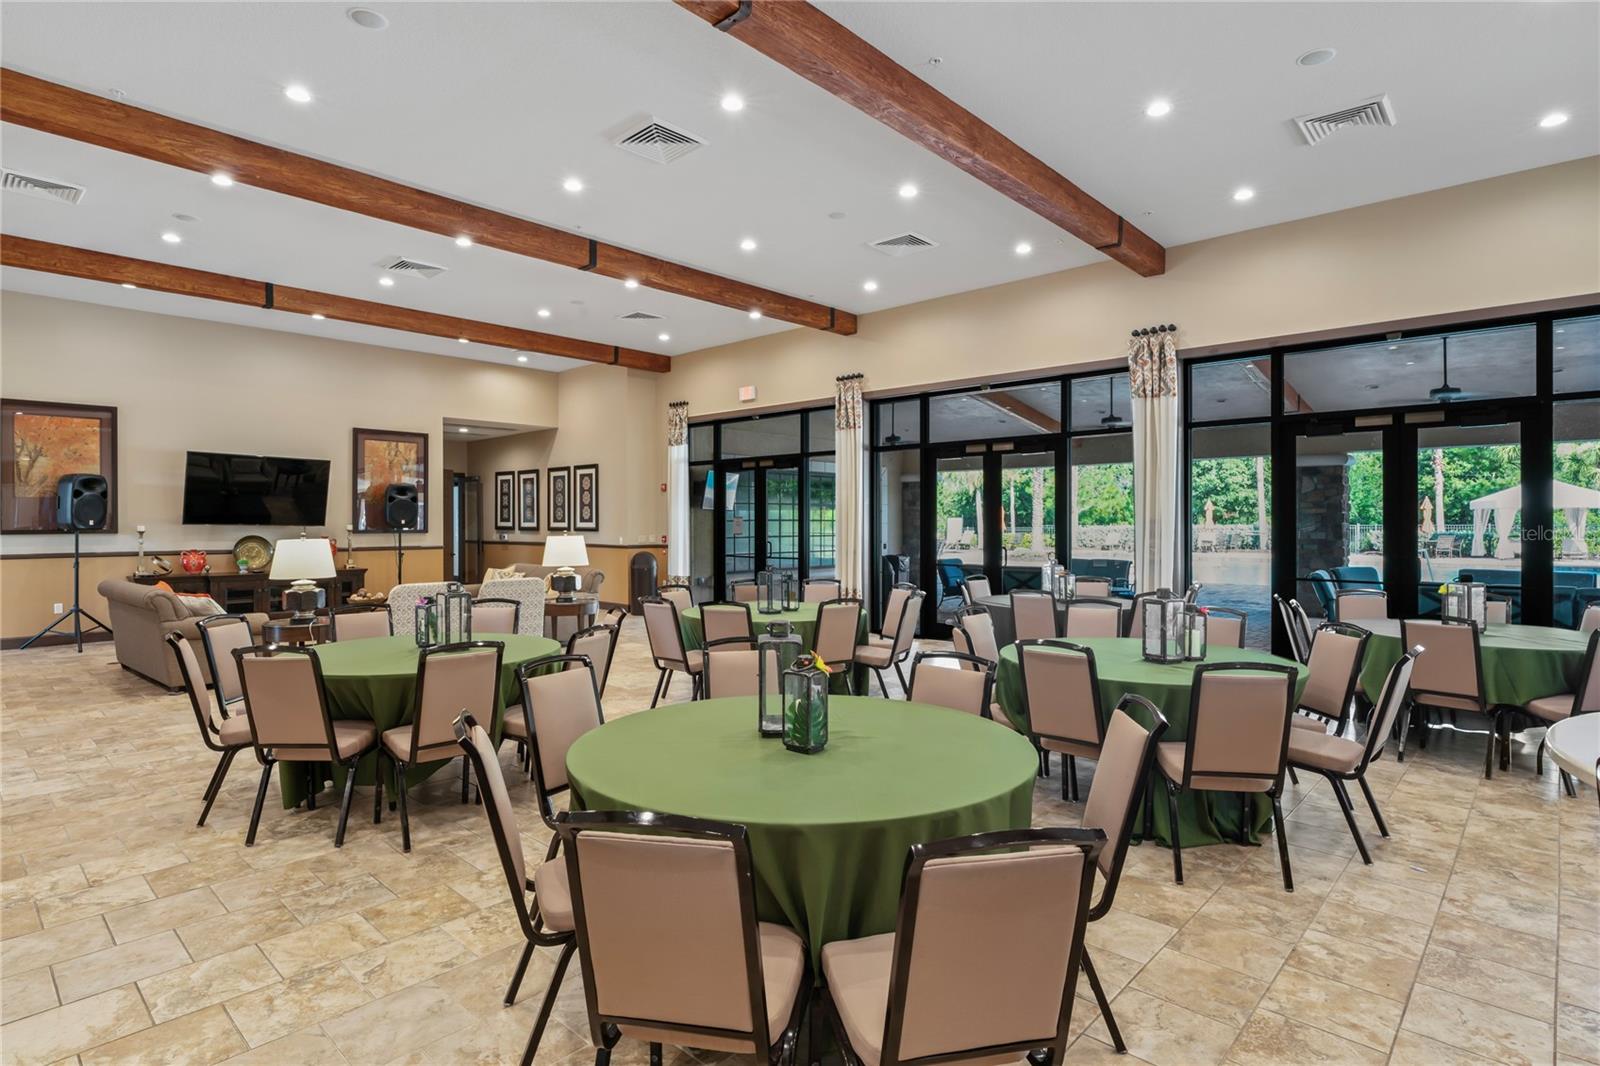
point(80, 116)
point(28, 254)
point(821, 50)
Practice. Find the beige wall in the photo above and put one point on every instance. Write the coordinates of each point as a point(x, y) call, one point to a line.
point(182, 384)
point(1523, 237)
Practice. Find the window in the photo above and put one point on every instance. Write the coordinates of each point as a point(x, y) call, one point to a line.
point(1575, 354)
point(1577, 509)
point(1231, 389)
point(1230, 515)
point(899, 423)
point(1101, 402)
point(770, 435)
point(820, 524)
point(1018, 411)
point(1411, 371)
point(702, 531)
point(1102, 506)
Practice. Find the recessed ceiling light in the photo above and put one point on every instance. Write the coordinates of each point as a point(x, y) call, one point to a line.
point(172, 238)
point(573, 185)
point(462, 429)
point(544, 312)
point(461, 340)
point(318, 315)
point(1243, 193)
point(463, 241)
point(298, 93)
point(221, 179)
point(1023, 248)
point(1560, 331)
point(1316, 57)
point(631, 283)
point(1561, 347)
point(522, 359)
point(869, 286)
point(663, 337)
point(387, 283)
point(732, 102)
point(1158, 108)
point(908, 191)
point(747, 245)
point(1554, 119)
point(366, 18)
point(129, 285)
point(754, 314)
point(1394, 347)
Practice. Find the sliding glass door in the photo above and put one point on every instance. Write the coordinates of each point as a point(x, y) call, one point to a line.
point(760, 520)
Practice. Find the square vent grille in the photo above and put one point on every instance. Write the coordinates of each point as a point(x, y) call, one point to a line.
point(407, 267)
point(658, 141)
point(903, 244)
point(1377, 111)
point(640, 316)
point(43, 188)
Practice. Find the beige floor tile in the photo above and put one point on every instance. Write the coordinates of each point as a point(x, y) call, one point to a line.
point(201, 984)
point(311, 1046)
point(1484, 939)
point(158, 915)
point(1229, 946)
point(26, 993)
point(204, 1037)
point(1165, 1034)
point(47, 946)
point(486, 931)
point(1204, 987)
point(19, 918)
point(1487, 981)
point(1578, 985)
point(65, 1031)
point(424, 908)
point(1128, 935)
point(1087, 1051)
point(1354, 963)
point(407, 961)
point(1578, 1033)
point(295, 1004)
point(318, 904)
point(92, 974)
point(86, 902)
point(235, 929)
point(1160, 900)
point(1387, 932)
point(1333, 1007)
point(1267, 910)
point(56, 882)
point(317, 945)
point(397, 1024)
point(1414, 1049)
point(1478, 1027)
point(1271, 1040)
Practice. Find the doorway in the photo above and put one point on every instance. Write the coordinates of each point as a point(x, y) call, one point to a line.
point(761, 505)
point(464, 535)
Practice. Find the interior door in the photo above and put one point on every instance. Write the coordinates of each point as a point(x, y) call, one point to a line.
point(962, 535)
point(761, 520)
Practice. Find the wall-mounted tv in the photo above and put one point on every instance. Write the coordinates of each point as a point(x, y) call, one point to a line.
point(254, 490)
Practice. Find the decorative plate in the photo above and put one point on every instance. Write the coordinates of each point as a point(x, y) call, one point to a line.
point(254, 552)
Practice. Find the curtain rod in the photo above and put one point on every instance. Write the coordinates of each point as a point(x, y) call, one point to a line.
point(1150, 331)
point(850, 377)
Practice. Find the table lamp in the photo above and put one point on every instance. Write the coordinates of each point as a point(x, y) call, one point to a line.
point(302, 562)
point(565, 552)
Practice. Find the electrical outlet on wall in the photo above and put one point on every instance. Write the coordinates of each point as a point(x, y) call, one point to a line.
point(502, 536)
point(57, 608)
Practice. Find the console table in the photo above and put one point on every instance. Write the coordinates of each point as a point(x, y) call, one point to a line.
point(256, 593)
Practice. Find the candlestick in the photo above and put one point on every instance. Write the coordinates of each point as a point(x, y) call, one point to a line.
point(349, 560)
point(138, 567)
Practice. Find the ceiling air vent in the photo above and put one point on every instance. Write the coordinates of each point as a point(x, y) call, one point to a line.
point(658, 142)
point(43, 188)
point(399, 264)
point(639, 316)
point(903, 244)
point(1377, 111)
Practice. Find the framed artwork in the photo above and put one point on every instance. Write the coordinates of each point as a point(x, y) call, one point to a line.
point(560, 499)
point(505, 499)
point(586, 498)
point(44, 441)
point(384, 457)
point(528, 500)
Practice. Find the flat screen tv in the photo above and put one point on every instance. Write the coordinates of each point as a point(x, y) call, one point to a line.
point(254, 490)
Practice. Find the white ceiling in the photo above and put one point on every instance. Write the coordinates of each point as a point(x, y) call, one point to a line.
point(498, 103)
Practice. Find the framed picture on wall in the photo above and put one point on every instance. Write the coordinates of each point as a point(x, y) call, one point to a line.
point(528, 500)
point(560, 499)
point(586, 498)
point(505, 499)
point(44, 441)
point(384, 457)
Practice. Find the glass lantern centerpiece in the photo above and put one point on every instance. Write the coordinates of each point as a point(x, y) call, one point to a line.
point(805, 706)
point(777, 651)
point(1194, 633)
point(772, 592)
point(455, 610)
point(1465, 601)
point(427, 622)
point(1165, 635)
point(1063, 584)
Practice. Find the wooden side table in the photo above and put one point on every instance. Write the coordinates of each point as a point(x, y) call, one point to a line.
point(583, 608)
point(283, 631)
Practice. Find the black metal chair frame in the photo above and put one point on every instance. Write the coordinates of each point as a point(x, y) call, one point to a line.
point(971, 662)
point(357, 608)
point(1498, 716)
point(502, 601)
point(1577, 698)
point(1069, 763)
point(850, 664)
point(913, 606)
point(1291, 629)
point(666, 667)
point(611, 650)
point(730, 606)
point(205, 626)
point(196, 689)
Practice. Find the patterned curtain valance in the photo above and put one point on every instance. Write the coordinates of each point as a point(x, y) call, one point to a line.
point(677, 423)
point(1153, 365)
point(847, 404)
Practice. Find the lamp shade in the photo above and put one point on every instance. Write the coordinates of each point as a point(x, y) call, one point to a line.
point(302, 559)
point(565, 550)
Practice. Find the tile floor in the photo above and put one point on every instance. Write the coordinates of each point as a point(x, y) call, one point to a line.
point(131, 936)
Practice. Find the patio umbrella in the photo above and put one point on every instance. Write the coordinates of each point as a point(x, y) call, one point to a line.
point(1211, 513)
point(1427, 517)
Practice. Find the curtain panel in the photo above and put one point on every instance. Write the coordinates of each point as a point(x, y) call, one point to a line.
point(1153, 383)
point(678, 492)
point(850, 504)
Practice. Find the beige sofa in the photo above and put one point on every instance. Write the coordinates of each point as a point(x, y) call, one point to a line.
point(141, 618)
point(590, 577)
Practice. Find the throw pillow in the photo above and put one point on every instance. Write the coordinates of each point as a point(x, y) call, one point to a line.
point(199, 605)
point(502, 573)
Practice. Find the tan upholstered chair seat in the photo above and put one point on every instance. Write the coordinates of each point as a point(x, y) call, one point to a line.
point(695, 661)
point(235, 732)
point(1169, 756)
point(783, 963)
point(553, 895)
point(1550, 708)
point(1449, 703)
point(1301, 721)
point(1320, 751)
point(514, 724)
point(397, 742)
point(858, 980)
point(351, 737)
point(876, 652)
point(998, 713)
point(1086, 751)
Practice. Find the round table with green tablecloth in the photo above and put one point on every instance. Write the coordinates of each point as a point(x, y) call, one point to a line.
point(376, 679)
point(1120, 668)
point(1520, 663)
point(828, 832)
point(802, 616)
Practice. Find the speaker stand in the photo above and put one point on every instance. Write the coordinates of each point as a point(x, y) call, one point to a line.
point(76, 612)
point(399, 559)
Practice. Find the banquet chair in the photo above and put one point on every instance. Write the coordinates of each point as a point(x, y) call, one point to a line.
point(1497, 610)
point(1238, 741)
point(680, 596)
point(1033, 615)
point(361, 621)
point(894, 605)
point(723, 621)
point(820, 590)
point(974, 635)
point(1061, 700)
point(287, 708)
point(964, 685)
point(1092, 586)
point(1225, 627)
point(1340, 759)
point(908, 996)
point(1448, 676)
point(975, 588)
point(451, 678)
point(599, 643)
point(731, 670)
point(612, 616)
point(1332, 670)
point(226, 737)
point(1135, 625)
point(547, 920)
point(1302, 622)
point(1586, 700)
point(1120, 779)
point(691, 965)
point(1591, 619)
point(883, 651)
point(838, 623)
point(495, 617)
point(1351, 605)
point(1087, 616)
point(667, 652)
point(219, 635)
point(745, 591)
point(1299, 646)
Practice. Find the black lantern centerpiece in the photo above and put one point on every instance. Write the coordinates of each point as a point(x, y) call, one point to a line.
point(777, 650)
point(427, 622)
point(1465, 601)
point(1063, 584)
point(805, 706)
point(1163, 622)
point(445, 618)
point(1194, 633)
point(772, 592)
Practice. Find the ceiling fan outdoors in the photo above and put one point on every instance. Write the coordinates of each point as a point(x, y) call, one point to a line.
point(1111, 421)
point(1445, 392)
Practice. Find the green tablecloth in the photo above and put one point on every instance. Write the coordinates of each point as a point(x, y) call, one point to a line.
point(1520, 663)
point(376, 679)
point(1205, 817)
point(803, 617)
point(828, 832)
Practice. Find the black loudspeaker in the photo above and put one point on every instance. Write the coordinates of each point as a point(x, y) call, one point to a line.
point(82, 501)
point(400, 506)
